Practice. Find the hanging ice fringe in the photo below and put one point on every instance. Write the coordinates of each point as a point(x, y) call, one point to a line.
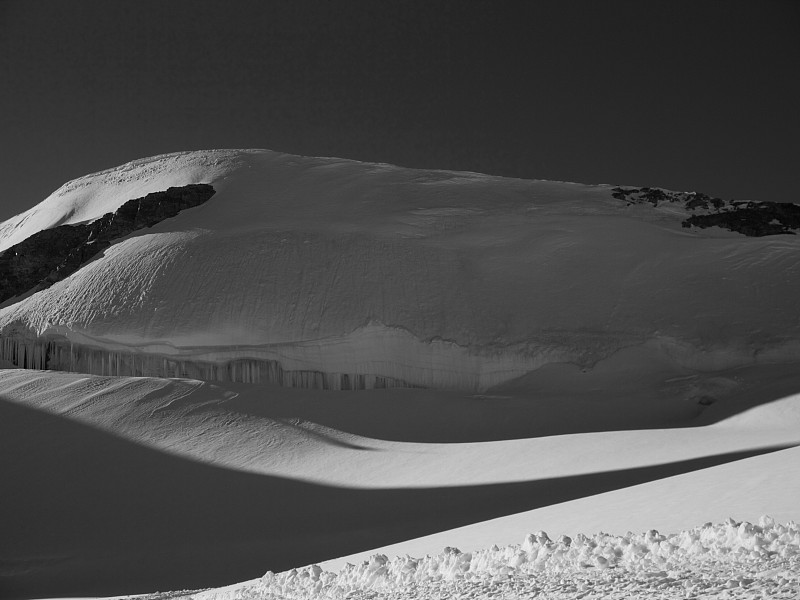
point(62, 355)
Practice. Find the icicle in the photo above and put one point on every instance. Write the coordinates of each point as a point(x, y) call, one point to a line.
point(63, 355)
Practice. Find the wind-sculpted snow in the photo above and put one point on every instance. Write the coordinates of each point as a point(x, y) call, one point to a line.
point(355, 272)
point(727, 560)
point(238, 427)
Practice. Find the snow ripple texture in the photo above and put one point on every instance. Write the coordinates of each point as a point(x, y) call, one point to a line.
point(727, 560)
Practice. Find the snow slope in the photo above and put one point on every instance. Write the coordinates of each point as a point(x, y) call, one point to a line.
point(333, 273)
point(221, 425)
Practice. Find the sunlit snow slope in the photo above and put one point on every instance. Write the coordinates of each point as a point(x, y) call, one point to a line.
point(318, 272)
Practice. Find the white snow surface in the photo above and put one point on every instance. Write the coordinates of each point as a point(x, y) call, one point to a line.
point(431, 278)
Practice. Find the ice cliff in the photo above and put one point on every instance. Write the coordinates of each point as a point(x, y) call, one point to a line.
point(329, 273)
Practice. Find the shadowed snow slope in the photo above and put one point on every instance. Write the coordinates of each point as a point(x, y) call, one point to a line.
point(134, 484)
point(316, 272)
point(205, 422)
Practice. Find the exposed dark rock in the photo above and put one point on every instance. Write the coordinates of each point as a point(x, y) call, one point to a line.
point(654, 196)
point(642, 195)
point(754, 219)
point(622, 193)
point(53, 254)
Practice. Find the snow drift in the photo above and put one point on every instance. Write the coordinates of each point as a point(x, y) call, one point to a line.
point(336, 274)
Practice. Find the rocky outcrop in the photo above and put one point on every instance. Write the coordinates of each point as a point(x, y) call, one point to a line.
point(654, 196)
point(53, 254)
point(753, 219)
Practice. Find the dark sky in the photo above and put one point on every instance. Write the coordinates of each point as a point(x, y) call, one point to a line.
point(697, 95)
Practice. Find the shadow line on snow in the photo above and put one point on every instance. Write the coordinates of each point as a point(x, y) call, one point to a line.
point(433, 416)
point(324, 438)
point(86, 513)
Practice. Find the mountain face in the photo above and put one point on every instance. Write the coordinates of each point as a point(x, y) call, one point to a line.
point(51, 255)
point(320, 272)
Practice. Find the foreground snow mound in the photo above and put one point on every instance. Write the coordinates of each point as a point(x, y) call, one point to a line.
point(337, 274)
point(730, 559)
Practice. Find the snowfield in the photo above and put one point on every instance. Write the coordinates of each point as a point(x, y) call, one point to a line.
point(332, 366)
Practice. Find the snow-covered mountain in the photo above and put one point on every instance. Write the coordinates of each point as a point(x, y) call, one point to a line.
point(582, 358)
point(321, 272)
